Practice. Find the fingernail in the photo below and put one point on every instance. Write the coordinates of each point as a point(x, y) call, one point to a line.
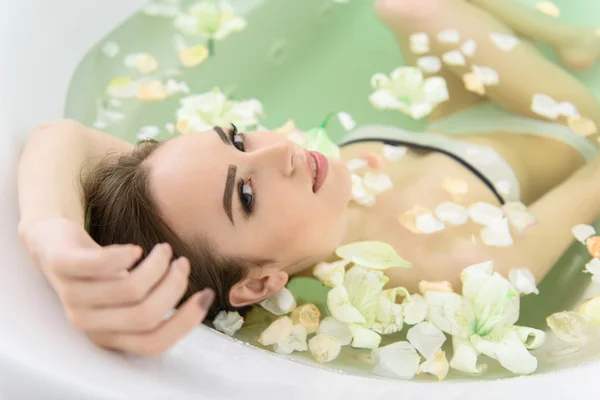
point(206, 298)
point(182, 266)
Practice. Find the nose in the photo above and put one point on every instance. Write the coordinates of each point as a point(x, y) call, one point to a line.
point(278, 156)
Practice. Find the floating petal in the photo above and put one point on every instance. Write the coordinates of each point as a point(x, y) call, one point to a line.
point(419, 43)
point(228, 322)
point(360, 194)
point(468, 48)
point(485, 213)
point(456, 188)
point(505, 42)
point(582, 126)
point(170, 128)
point(465, 357)
point(346, 120)
point(307, 315)
point(452, 213)
point(324, 348)
point(147, 132)
point(548, 8)
point(394, 153)
point(451, 313)
point(496, 303)
point(568, 109)
point(503, 187)
point(123, 87)
point(415, 309)
point(378, 182)
point(430, 64)
point(145, 63)
point(356, 164)
point(531, 338)
point(296, 341)
point(151, 91)
point(473, 83)
point(364, 338)
point(277, 332)
point(434, 286)
point(593, 267)
point(110, 49)
point(437, 365)
point(583, 232)
point(497, 234)
point(428, 224)
point(409, 218)
point(371, 254)
point(193, 56)
point(572, 327)
point(449, 36)
point(508, 349)
point(340, 307)
point(280, 303)
point(454, 57)
point(519, 216)
point(545, 106)
point(397, 360)
point(331, 274)
point(486, 75)
point(523, 280)
point(332, 327)
point(426, 338)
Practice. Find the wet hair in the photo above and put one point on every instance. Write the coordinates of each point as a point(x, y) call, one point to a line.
point(121, 210)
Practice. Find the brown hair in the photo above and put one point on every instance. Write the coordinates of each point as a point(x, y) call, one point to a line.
point(121, 210)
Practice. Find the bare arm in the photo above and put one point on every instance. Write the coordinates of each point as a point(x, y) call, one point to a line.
point(53, 158)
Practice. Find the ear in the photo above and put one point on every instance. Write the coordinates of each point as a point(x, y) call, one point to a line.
point(257, 286)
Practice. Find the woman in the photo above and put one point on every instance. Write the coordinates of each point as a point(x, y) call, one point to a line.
point(238, 214)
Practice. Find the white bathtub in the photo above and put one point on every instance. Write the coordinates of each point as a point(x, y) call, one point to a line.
point(41, 357)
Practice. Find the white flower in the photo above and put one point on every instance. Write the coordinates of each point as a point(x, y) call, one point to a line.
point(419, 43)
point(482, 321)
point(430, 64)
point(436, 365)
point(452, 213)
point(593, 267)
point(324, 348)
point(346, 120)
point(591, 309)
point(546, 106)
point(307, 315)
point(407, 91)
point(449, 36)
point(332, 327)
point(583, 232)
point(394, 153)
point(426, 338)
point(468, 48)
point(202, 112)
point(505, 42)
point(211, 19)
point(415, 309)
point(228, 322)
point(454, 57)
point(277, 332)
point(523, 280)
point(280, 303)
point(572, 327)
point(397, 360)
point(296, 341)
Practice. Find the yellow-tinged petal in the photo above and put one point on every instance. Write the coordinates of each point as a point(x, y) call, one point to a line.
point(398, 360)
point(523, 280)
point(193, 56)
point(122, 87)
point(437, 365)
point(340, 308)
point(282, 302)
point(296, 341)
point(456, 188)
point(572, 327)
point(435, 286)
point(548, 8)
point(332, 327)
point(308, 315)
point(277, 332)
point(591, 309)
point(364, 338)
point(473, 83)
point(582, 126)
point(583, 232)
point(371, 254)
point(426, 338)
point(324, 348)
point(228, 322)
point(331, 274)
point(151, 91)
point(506, 347)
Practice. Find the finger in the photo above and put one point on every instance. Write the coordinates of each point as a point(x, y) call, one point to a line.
point(143, 317)
point(119, 292)
point(109, 261)
point(189, 316)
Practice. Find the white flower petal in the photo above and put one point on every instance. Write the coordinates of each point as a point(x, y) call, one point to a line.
point(340, 307)
point(456, 188)
point(415, 309)
point(331, 274)
point(356, 163)
point(379, 81)
point(572, 327)
point(419, 43)
point(568, 109)
point(496, 303)
point(394, 153)
point(419, 110)
point(430, 64)
point(454, 57)
point(468, 48)
point(451, 313)
point(110, 49)
point(548, 8)
point(523, 280)
point(519, 215)
point(278, 331)
point(360, 194)
point(449, 36)
point(364, 338)
point(307, 315)
point(426, 338)
point(507, 348)
point(346, 120)
point(170, 128)
point(378, 182)
point(388, 317)
point(296, 341)
point(480, 155)
point(474, 277)
point(531, 338)
point(371, 254)
point(545, 106)
point(487, 75)
point(434, 286)
point(383, 99)
point(435, 90)
point(397, 360)
point(593, 267)
point(228, 322)
point(280, 303)
point(503, 187)
point(465, 357)
point(505, 42)
point(324, 348)
point(147, 132)
point(332, 327)
point(437, 365)
point(452, 213)
point(428, 224)
point(583, 232)
point(364, 287)
point(485, 213)
point(497, 234)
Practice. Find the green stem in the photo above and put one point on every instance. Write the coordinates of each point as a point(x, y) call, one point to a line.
point(326, 120)
point(211, 47)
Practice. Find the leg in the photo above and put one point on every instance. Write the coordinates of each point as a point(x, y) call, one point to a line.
point(523, 71)
point(577, 46)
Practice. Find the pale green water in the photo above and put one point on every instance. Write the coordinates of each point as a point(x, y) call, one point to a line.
point(327, 55)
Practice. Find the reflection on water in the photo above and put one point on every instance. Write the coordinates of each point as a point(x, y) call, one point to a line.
point(301, 60)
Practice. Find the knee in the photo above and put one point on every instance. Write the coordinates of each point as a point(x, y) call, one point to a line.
point(398, 11)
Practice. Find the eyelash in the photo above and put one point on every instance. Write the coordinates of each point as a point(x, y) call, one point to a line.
point(247, 203)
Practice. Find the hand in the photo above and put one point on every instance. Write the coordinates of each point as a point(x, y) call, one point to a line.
point(118, 309)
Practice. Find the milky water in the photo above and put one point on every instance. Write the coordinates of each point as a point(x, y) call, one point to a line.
point(301, 60)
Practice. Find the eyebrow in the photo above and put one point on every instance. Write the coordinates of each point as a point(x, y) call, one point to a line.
point(228, 193)
point(222, 134)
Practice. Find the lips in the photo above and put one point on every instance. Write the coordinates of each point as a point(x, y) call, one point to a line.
point(318, 166)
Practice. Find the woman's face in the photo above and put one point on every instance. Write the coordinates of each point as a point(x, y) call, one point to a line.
point(253, 195)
